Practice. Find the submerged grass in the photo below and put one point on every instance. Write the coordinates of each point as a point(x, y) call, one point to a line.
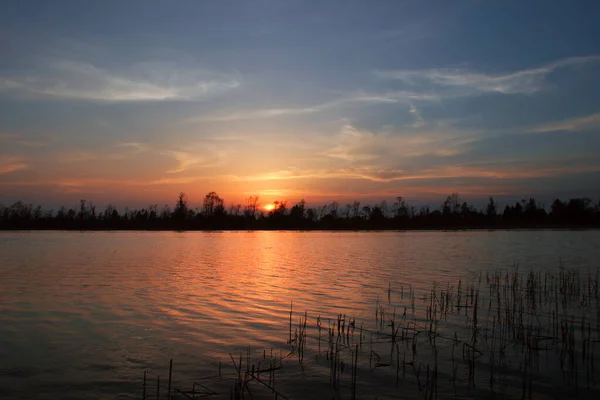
point(504, 333)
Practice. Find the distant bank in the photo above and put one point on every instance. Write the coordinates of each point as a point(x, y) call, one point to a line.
point(576, 213)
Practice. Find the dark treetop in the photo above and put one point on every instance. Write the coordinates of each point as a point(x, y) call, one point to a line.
point(213, 215)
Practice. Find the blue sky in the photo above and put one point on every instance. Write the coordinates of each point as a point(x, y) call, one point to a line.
point(131, 102)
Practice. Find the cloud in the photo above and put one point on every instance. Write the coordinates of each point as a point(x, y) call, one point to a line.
point(32, 143)
point(358, 146)
point(17, 139)
point(145, 82)
point(361, 97)
point(176, 181)
point(419, 121)
point(256, 114)
point(76, 184)
point(67, 185)
point(381, 175)
point(413, 155)
point(352, 145)
point(436, 173)
point(73, 157)
point(525, 81)
point(184, 159)
point(83, 156)
point(205, 157)
point(135, 147)
point(11, 164)
point(569, 125)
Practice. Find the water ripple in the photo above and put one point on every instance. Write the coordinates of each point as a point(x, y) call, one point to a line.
point(85, 314)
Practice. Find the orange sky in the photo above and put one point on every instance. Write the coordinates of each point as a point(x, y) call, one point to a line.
point(297, 102)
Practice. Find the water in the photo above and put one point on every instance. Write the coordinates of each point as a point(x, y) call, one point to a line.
point(83, 315)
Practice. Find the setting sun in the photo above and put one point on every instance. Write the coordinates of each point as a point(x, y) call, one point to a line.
point(270, 207)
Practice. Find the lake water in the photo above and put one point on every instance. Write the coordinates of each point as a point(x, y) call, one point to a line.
point(83, 315)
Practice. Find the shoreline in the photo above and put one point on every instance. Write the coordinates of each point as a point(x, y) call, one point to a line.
point(374, 230)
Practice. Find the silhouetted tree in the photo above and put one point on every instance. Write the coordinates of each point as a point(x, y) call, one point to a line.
point(180, 213)
point(400, 208)
point(366, 211)
point(347, 211)
point(376, 215)
point(251, 207)
point(298, 210)
point(213, 205)
point(153, 212)
point(356, 209)
point(558, 207)
point(491, 209)
point(451, 205)
point(311, 214)
point(235, 210)
point(165, 213)
point(453, 213)
point(333, 209)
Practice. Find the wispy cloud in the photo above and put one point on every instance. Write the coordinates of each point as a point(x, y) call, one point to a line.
point(352, 144)
point(525, 81)
point(255, 114)
point(66, 185)
point(78, 156)
point(17, 139)
point(184, 160)
point(569, 125)
point(436, 173)
point(77, 184)
point(149, 82)
point(135, 147)
point(419, 121)
point(205, 157)
point(128, 149)
point(359, 146)
point(176, 181)
point(32, 143)
point(11, 163)
point(358, 98)
point(376, 175)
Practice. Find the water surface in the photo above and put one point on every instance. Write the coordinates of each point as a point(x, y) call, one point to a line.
point(82, 315)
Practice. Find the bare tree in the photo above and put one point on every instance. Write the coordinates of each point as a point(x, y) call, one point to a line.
point(356, 209)
point(251, 206)
point(181, 208)
point(213, 205)
point(452, 204)
point(400, 208)
point(235, 209)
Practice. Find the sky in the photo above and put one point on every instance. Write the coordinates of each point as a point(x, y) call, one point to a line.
point(132, 102)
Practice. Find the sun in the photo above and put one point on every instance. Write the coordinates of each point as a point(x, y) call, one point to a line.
point(270, 207)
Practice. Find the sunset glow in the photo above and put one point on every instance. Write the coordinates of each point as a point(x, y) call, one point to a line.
point(195, 108)
point(193, 183)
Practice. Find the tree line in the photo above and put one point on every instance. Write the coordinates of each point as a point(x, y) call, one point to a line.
point(453, 213)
